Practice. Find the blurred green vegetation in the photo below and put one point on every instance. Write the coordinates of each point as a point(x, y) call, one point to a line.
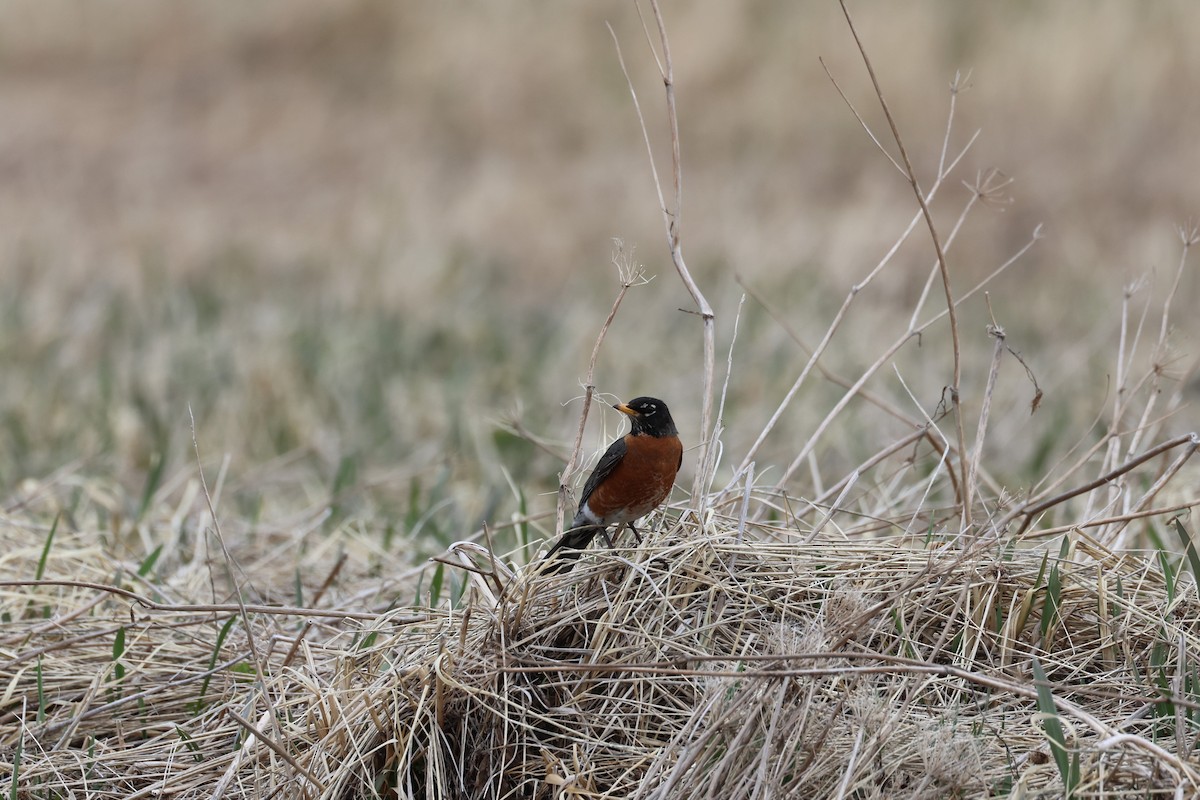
point(366, 245)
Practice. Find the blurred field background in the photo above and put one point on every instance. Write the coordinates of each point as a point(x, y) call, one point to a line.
point(366, 241)
point(367, 246)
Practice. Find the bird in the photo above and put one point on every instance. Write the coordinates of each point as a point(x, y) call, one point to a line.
point(633, 477)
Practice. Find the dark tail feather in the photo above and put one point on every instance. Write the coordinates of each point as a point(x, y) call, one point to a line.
point(565, 553)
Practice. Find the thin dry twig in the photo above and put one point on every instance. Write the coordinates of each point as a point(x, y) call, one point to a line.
point(276, 748)
point(1030, 509)
point(216, 608)
point(630, 275)
point(942, 266)
point(261, 666)
point(997, 333)
point(672, 220)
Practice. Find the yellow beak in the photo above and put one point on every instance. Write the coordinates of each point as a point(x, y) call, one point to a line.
point(624, 409)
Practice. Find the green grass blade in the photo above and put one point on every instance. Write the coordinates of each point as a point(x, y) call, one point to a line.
point(523, 526)
point(118, 650)
point(1050, 611)
point(1169, 573)
point(39, 573)
point(1160, 675)
point(154, 479)
point(1054, 730)
point(212, 662)
point(420, 585)
point(1042, 569)
point(413, 513)
point(41, 567)
point(190, 744)
point(91, 759)
point(16, 773)
point(41, 692)
point(149, 561)
point(1189, 548)
point(435, 585)
point(343, 480)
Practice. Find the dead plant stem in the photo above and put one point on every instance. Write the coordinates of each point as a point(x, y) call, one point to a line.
point(942, 266)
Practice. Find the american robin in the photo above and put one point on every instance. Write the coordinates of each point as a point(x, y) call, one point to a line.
point(634, 477)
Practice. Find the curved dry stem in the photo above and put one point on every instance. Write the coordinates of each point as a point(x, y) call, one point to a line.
point(911, 174)
point(672, 219)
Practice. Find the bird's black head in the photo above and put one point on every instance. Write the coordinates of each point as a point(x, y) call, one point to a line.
point(649, 415)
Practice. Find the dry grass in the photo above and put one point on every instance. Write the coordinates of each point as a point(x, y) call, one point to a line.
point(351, 244)
point(777, 663)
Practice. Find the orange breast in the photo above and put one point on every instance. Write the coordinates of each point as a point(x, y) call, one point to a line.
point(641, 482)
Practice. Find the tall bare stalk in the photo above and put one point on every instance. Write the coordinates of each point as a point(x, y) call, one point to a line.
point(964, 466)
point(672, 220)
